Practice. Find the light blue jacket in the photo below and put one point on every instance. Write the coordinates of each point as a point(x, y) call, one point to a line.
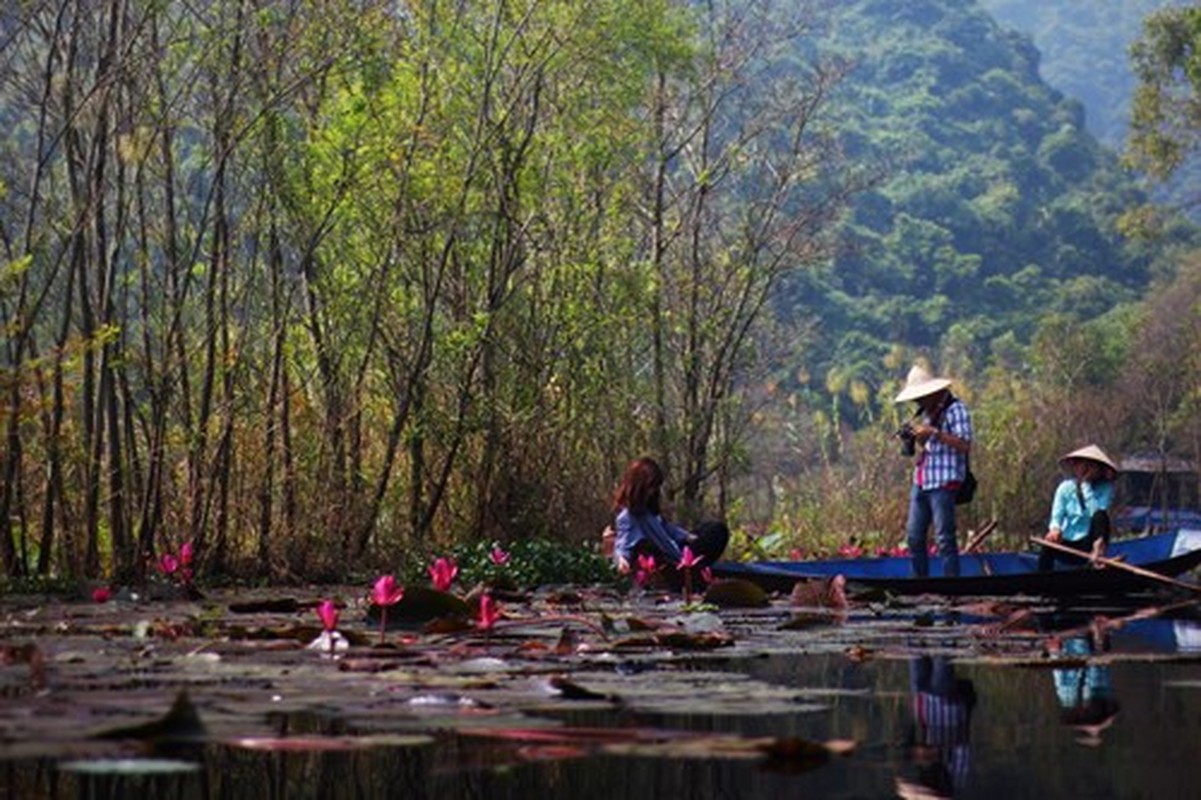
point(1069, 516)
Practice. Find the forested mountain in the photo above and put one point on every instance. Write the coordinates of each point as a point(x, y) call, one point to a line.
point(1085, 52)
point(998, 206)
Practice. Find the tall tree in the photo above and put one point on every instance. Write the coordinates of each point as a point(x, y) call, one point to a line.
point(1165, 125)
point(745, 184)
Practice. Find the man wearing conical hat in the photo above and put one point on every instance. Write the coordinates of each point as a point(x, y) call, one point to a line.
point(1080, 509)
point(940, 438)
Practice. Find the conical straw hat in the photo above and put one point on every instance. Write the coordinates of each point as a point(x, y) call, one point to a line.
point(1090, 453)
point(919, 383)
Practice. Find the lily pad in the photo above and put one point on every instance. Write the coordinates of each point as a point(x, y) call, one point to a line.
point(420, 605)
point(736, 593)
point(130, 766)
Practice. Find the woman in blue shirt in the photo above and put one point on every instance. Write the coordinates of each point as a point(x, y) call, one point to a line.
point(641, 529)
point(1080, 510)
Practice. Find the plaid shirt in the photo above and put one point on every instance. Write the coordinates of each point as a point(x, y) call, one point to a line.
point(941, 465)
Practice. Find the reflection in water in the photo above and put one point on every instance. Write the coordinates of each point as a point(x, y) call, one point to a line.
point(911, 719)
point(1085, 690)
point(940, 739)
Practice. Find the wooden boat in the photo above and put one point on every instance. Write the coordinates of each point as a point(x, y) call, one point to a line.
point(1167, 554)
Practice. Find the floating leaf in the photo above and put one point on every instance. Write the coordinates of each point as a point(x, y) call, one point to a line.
point(130, 766)
point(736, 593)
point(30, 654)
point(422, 604)
point(570, 690)
point(181, 723)
point(793, 754)
point(273, 605)
point(684, 640)
point(805, 621)
point(446, 700)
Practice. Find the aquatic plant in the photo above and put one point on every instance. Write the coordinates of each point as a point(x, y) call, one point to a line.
point(646, 568)
point(386, 592)
point(489, 612)
point(688, 560)
point(498, 556)
point(328, 613)
point(178, 567)
point(443, 573)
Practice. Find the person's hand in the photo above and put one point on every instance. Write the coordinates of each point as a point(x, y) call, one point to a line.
point(623, 565)
point(608, 541)
point(1098, 550)
point(924, 432)
point(1055, 535)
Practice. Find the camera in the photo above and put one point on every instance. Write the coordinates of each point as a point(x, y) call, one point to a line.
point(908, 439)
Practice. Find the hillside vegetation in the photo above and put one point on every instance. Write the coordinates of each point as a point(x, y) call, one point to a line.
point(997, 208)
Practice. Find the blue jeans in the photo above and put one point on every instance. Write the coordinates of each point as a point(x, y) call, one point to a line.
point(937, 506)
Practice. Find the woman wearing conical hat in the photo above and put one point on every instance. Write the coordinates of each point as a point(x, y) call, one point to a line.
point(940, 437)
point(1080, 510)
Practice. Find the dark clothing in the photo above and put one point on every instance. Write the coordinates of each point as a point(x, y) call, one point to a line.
point(1098, 530)
point(707, 543)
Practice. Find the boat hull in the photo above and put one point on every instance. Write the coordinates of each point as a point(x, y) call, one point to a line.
point(1168, 554)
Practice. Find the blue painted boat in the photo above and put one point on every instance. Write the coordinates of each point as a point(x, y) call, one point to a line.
point(1168, 554)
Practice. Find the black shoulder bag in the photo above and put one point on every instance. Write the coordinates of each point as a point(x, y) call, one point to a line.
point(967, 487)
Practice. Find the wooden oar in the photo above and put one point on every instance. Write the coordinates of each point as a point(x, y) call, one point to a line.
point(1112, 562)
point(976, 539)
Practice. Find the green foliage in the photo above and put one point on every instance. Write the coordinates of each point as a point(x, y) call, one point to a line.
point(998, 208)
point(532, 563)
point(1083, 51)
point(1166, 119)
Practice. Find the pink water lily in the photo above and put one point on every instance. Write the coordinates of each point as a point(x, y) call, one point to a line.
point(850, 550)
point(328, 613)
point(168, 564)
point(646, 568)
point(688, 559)
point(443, 572)
point(498, 556)
point(101, 594)
point(489, 612)
point(796, 554)
point(185, 554)
point(386, 592)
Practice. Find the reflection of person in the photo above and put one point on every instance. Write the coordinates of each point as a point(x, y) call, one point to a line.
point(641, 529)
point(941, 438)
point(1080, 510)
point(942, 716)
point(1085, 692)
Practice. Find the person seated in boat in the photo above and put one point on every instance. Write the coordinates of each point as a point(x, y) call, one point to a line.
point(1080, 509)
point(641, 530)
point(940, 437)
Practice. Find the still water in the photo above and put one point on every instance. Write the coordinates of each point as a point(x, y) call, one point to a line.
point(1118, 717)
